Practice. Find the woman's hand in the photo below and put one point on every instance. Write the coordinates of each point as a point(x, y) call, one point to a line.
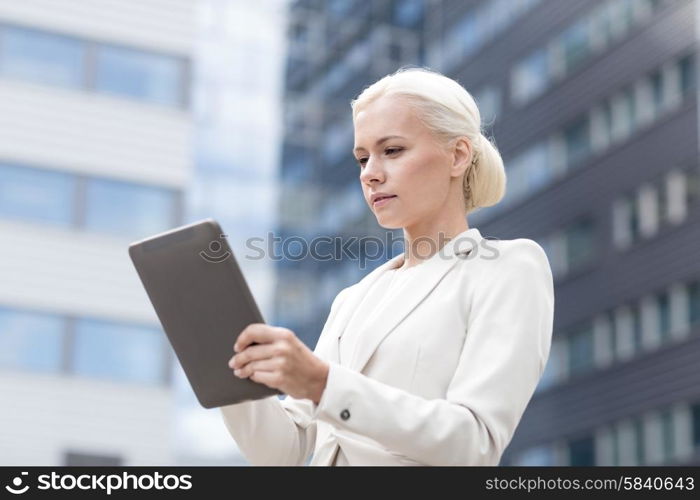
point(279, 360)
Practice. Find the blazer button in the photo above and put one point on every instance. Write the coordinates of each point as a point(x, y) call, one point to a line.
point(345, 414)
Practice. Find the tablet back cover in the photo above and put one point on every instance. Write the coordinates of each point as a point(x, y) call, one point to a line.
point(203, 303)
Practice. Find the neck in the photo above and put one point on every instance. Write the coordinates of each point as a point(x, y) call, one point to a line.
point(426, 238)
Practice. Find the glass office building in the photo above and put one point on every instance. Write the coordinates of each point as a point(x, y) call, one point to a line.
point(95, 153)
point(594, 108)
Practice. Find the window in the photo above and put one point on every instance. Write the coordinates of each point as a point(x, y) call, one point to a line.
point(630, 108)
point(657, 92)
point(648, 202)
point(615, 445)
point(687, 67)
point(407, 12)
point(694, 303)
point(337, 143)
point(674, 197)
point(577, 141)
point(42, 57)
point(301, 117)
point(119, 351)
point(636, 316)
point(626, 12)
point(31, 341)
point(693, 185)
point(664, 208)
point(297, 163)
point(36, 194)
point(530, 77)
point(607, 114)
point(340, 8)
point(555, 248)
point(696, 424)
point(575, 44)
point(128, 209)
point(667, 435)
point(663, 308)
point(54, 59)
point(488, 99)
point(140, 75)
point(606, 123)
point(480, 25)
point(581, 350)
point(611, 318)
point(336, 77)
point(553, 370)
point(538, 168)
point(626, 221)
point(111, 206)
point(579, 243)
point(621, 213)
point(634, 225)
point(639, 444)
point(538, 456)
point(582, 451)
point(607, 22)
point(299, 32)
point(528, 172)
point(624, 114)
point(395, 51)
point(462, 39)
point(603, 24)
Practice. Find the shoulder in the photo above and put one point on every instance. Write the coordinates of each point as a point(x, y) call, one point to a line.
point(522, 251)
point(342, 295)
point(512, 274)
point(521, 256)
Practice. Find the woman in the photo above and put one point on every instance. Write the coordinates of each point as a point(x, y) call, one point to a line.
point(433, 356)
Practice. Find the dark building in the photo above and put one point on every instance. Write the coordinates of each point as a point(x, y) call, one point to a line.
point(594, 108)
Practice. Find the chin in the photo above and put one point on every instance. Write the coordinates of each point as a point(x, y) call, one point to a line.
point(388, 223)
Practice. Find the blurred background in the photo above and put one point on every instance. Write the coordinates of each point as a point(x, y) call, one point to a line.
point(123, 118)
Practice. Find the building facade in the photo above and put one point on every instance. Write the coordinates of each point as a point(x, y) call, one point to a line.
point(594, 108)
point(95, 153)
point(236, 88)
point(335, 49)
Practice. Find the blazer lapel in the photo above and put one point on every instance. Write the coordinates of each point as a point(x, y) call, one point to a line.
point(353, 301)
point(430, 273)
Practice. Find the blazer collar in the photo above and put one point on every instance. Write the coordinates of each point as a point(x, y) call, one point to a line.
point(431, 272)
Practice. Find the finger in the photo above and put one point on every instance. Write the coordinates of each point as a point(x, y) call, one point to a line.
point(253, 333)
point(252, 353)
point(270, 379)
point(254, 366)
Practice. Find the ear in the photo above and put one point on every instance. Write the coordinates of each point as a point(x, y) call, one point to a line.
point(461, 156)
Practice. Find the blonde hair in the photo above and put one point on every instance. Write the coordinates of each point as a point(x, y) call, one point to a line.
point(450, 112)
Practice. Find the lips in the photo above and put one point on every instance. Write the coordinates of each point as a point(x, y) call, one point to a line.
point(384, 198)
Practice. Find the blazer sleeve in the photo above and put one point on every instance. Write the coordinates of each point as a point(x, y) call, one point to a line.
point(506, 347)
point(273, 431)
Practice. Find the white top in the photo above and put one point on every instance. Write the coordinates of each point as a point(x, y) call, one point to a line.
point(379, 297)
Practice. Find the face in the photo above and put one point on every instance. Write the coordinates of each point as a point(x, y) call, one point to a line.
point(411, 165)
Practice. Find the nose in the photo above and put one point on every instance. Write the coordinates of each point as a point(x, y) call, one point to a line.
point(372, 171)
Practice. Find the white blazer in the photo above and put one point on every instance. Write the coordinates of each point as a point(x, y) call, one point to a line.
point(441, 378)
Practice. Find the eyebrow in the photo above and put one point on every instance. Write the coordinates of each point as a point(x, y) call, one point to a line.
point(379, 141)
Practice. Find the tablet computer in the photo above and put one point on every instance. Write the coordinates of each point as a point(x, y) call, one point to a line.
point(203, 303)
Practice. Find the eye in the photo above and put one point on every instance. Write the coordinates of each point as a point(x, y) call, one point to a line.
point(363, 160)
